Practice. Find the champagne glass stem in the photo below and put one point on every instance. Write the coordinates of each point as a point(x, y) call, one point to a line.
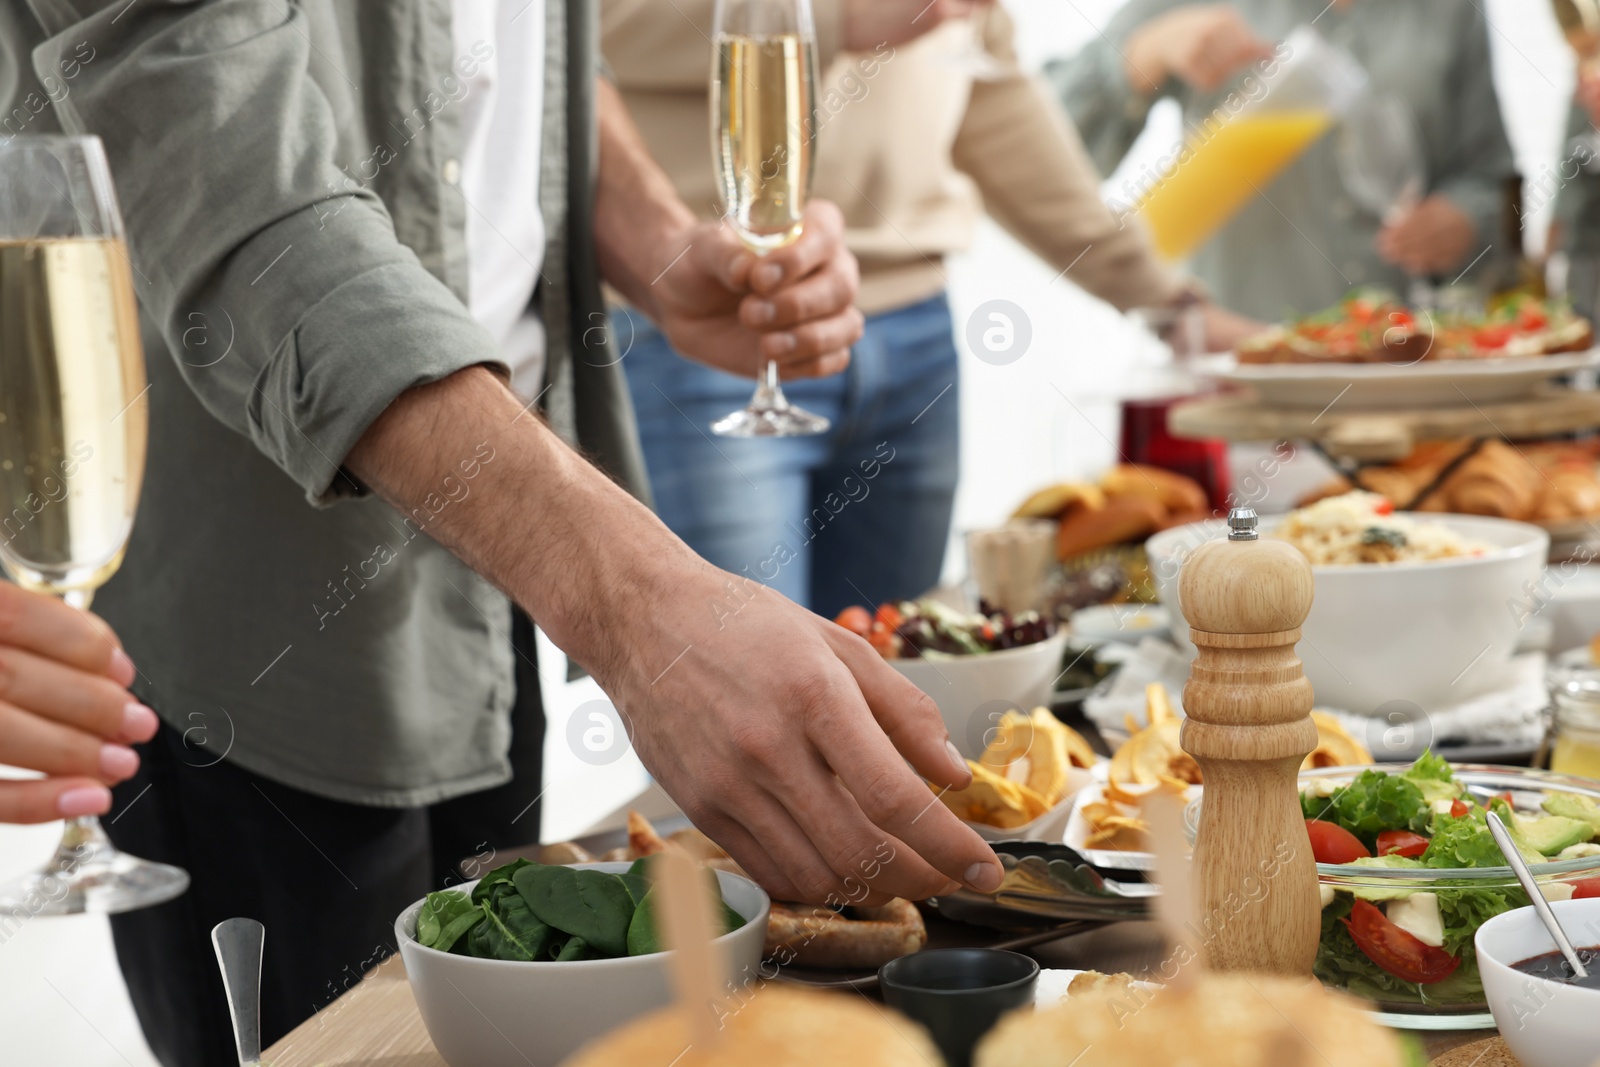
point(769, 393)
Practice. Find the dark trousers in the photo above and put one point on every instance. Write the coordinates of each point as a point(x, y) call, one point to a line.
point(324, 877)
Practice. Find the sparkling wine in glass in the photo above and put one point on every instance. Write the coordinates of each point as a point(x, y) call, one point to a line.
point(763, 112)
point(73, 423)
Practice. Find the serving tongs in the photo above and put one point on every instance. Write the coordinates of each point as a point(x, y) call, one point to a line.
point(1051, 883)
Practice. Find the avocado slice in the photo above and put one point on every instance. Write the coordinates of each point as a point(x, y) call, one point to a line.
point(1552, 833)
point(1573, 806)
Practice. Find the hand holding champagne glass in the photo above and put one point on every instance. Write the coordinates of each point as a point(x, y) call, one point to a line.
point(73, 422)
point(763, 101)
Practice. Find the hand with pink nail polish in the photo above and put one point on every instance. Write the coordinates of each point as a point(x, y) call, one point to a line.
point(65, 710)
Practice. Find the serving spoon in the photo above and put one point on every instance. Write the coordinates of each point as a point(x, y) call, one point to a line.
point(1508, 848)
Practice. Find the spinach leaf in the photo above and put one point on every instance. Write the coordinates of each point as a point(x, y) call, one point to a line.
point(499, 876)
point(574, 948)
point(637, 884)
point(451, 935)
point(643, 936)
point(437, 912)
point(593, 905)
point(510, 933)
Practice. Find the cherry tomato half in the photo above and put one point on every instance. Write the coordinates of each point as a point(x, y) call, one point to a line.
point(1396, 950)
point(1332, 843)
point(1589, 887)
point(1401, 843)
point(856, 620)
point(1458, 808)
point(1492, 336)
point(889, 615)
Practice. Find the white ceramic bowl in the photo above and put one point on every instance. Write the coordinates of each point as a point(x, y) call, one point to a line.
point(974, 691)
point(1545, 1023)
point(1431, 634)
point(490, 1013)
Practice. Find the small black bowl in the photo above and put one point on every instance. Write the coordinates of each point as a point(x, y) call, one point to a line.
point(958, 993)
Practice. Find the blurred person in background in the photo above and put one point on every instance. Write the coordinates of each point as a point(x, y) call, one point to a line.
point(1303, 242)
point(924, 121)
point(1574, 182)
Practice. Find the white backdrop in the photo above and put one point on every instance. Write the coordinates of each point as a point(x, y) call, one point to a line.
point(1049, 415)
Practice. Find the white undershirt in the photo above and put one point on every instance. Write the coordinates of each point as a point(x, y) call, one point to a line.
point(502, 124)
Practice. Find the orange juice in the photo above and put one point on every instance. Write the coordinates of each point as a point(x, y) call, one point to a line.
point(1193, 199)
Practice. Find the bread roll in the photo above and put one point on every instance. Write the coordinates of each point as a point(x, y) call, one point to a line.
point(1222, 1020)
point(1125, 518)
point(1053, 500)
point(771, 1026)
point(1172, 491)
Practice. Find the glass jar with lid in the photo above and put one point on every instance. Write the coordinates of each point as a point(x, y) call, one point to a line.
point(1573, 742)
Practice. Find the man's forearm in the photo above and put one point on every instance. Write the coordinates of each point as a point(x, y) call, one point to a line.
point(539, 521)
point(639, 217)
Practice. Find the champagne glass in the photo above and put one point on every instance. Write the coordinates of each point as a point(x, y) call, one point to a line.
point(763, 124)
point(73, 420)
point(972, 57)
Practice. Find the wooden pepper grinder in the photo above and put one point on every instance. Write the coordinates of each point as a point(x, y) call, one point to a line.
point(1249, 728)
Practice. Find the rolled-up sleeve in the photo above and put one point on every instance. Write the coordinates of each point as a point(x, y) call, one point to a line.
point(1093, 86)
point(223, 150)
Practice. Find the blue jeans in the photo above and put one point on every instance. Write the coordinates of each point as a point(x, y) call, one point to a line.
point(857, 515)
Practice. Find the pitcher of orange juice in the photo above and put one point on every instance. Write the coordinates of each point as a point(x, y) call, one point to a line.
point(1273, 115)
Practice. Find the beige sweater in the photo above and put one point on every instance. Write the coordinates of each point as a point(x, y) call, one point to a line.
point(910, 146)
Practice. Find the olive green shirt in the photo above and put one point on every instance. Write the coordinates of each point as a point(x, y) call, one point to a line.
point(1304, 242)
point(286, 175)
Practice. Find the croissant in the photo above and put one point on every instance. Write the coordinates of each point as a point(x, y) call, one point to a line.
point(1569, 494)
point(1496, 481)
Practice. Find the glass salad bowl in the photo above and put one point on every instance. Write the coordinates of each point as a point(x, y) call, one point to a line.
point(1424, 976)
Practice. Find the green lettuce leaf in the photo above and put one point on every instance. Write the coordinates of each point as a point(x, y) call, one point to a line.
point(1372, 803)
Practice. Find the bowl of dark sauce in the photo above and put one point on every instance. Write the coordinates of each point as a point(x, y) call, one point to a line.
point(1553, 967)
point(1545, 1014)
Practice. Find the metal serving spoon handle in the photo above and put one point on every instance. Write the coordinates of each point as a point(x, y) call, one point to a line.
point(238, 944)
point(1502, 837)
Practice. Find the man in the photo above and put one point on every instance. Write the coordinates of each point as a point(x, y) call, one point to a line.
point(298, 186)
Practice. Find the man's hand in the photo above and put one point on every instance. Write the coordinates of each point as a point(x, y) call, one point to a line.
point(1226, 330)
point(1202, 44)
point(783, 736)
point(724, 306)
point(1432, 238)
point(64, 709)
point(787, 738)
point(867, 24)
point(716, 301)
